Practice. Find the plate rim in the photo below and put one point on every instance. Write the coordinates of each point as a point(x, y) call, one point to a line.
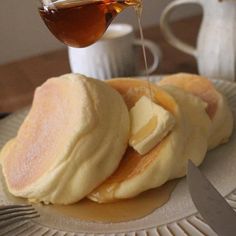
point(141, 230)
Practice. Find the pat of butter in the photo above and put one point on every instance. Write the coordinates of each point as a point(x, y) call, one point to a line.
point(150, 123)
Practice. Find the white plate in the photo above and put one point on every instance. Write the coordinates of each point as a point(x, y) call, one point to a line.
point(178, 217)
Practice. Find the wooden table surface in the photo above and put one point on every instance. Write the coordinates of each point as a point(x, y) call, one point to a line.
point(19, 79)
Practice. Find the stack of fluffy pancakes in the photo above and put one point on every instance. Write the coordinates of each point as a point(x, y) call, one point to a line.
point(74, 141)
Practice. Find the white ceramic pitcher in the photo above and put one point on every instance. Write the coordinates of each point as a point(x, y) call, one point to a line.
point(216, 44)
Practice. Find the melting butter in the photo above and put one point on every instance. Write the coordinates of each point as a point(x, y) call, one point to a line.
point(150, 123)
point(144, 132)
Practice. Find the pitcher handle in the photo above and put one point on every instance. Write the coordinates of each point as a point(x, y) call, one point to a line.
point(166, 29)
point(155, 51)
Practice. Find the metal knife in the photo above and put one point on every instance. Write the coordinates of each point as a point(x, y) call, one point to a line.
point(3, 115)
point(215, 210)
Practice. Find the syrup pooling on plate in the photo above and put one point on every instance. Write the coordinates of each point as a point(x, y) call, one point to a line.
point(125, 210)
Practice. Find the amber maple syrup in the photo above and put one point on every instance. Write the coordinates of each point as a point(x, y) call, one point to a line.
point(80, 23)
point(125, 210)
point(139, 13)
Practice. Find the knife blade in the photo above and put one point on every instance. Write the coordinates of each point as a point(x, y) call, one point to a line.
point(3, 115)
point(215, 210)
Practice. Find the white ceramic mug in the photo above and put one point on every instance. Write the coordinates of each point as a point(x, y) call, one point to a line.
point(216, 43)
point(114, 55)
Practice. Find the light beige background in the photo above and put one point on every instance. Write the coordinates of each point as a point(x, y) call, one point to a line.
point(23, 34)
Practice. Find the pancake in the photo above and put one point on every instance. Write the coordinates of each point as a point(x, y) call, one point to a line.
point(72, 139)
point(168, 159)
point(217, 109)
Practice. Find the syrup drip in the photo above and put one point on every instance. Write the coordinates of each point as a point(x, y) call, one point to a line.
point(138, 10)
